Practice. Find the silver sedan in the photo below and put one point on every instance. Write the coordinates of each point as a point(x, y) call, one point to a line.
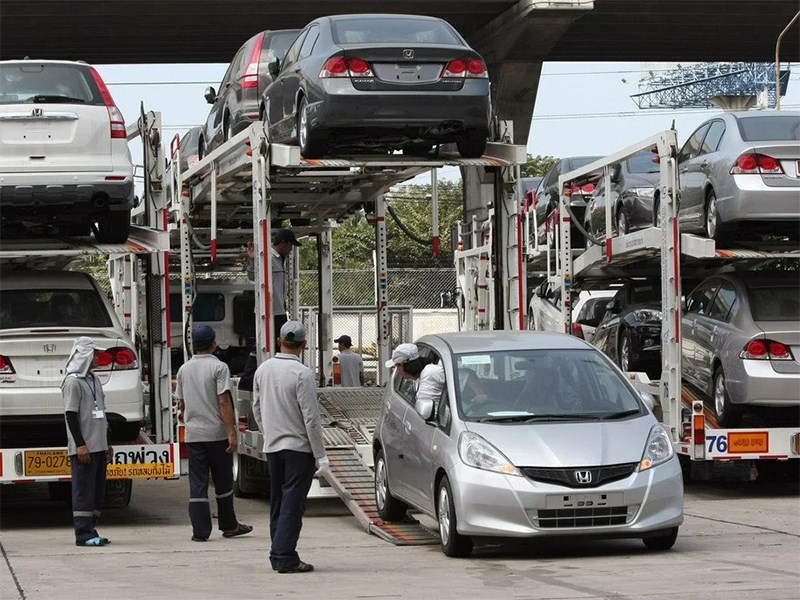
point(740, 176)
point(741, 341)
point(535, 435)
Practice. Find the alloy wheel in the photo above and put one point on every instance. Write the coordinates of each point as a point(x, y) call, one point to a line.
point(444, 515)
point(380, 484)
point(711, 217)
point(302, 127)
point(719, 395)
point(622, 223)
point(625, 354)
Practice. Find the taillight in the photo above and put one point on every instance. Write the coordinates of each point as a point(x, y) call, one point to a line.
point(466, 67)
point(6, 368)
point(116, 359)
point(756, 164)
point(577, 330)
point(114, 115)
point(338, 66)
point(530, 200)
point(250, 77)
point(766, 350)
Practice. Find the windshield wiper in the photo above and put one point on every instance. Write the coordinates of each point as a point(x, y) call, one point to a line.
point(41, 98)
point(505, 419)
point(621, 414)
point(563, 417)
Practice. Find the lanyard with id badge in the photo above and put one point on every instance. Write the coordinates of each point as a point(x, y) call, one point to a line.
point(97, 413)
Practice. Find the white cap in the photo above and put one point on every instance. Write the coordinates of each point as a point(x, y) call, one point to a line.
point(402, 354)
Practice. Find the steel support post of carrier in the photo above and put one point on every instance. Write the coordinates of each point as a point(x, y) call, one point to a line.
point(262, 235)
point(382, 290)
point(325, 320)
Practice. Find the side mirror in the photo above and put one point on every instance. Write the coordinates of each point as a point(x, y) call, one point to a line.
point(424, 409)
point(274, 67)
point(613, 308)
point(683, 304)
point(648, 399)
point(615, 172)
point(210, 95)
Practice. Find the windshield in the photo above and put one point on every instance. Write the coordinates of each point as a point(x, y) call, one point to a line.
point(770, 128)
point(642, 292)
point(47, 83)
point(52, 308)
point(642, 163)
point(775, 303)
point(541, 385)
point(382, 30)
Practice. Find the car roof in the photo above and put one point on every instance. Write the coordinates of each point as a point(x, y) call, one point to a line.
point(464, 342)
point(761, 278)
point(27, 280)
point(78, 63)
point(763, 113)
point(381, 16)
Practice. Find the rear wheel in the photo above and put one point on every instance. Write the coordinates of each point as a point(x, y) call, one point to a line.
point(622, 222)
point(245, 484)
point(389, 507)
point(715, 229)
point(118, 493)
point(471, 145)
point(312, 142)
point(625, 352)
point(664, 541)
point(656, 212)
point(114, 227)
point(453, 543)
point(728, 414)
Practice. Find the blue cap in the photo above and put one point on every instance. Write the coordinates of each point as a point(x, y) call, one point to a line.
point(203, 334)
point(344, 339)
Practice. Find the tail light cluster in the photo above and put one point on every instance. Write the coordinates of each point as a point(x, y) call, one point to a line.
point(574, 188)
point(6, 368)
point(115, 116)
point(339, 66)
point(766, 350)
point(577, 330)
point(530, 200)
point(116, 359)
point(250, 77)
point(756, 164)
point(472, 68)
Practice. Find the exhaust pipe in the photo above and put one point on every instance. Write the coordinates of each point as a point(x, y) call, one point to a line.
point(100, 201)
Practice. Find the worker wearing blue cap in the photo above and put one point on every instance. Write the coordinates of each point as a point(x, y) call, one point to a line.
point(206, 406)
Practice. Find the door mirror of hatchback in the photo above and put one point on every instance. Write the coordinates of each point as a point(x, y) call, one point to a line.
point(615, 172)
point(424, 409)
point(648, 399)
point(210, 95)
point(274, 67)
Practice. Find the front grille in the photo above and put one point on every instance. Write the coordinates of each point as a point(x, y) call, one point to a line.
point(581, 517)
point(579, 477)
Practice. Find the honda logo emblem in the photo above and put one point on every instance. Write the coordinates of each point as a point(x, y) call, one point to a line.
point(37, 112)
point(583, 477)
point(408, 54)
point(49, 348)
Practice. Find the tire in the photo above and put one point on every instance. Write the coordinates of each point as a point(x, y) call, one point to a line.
point(664, 541)
point(656, 212)
point(118, 493)
point(471, 145)
point(245, 486)
point(389, 507)
point(201, 148)
point(418, 149)
point(728, 414)
point(622, 222)
point(625, 352)
point(125, 432)
point(227, 130)
point(312, 143)
point(454, 544)
point(114, 227)
point(712, 226)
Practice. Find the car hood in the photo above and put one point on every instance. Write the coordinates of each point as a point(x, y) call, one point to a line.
point(586, 444)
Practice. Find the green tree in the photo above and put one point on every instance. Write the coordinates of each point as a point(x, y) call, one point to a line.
point(537, 166)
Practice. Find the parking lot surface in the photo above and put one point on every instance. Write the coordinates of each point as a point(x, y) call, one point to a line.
point(739, 540)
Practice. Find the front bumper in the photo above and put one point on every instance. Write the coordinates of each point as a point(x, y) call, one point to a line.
point(496, 505)
point(758, 383)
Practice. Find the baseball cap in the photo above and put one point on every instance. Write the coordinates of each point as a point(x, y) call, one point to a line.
point(343, 339)
point(402, 354)
point(293, 331)
point(203, 334)
point(286, 235)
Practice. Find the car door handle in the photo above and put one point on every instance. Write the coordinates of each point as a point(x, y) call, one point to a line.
point(684, 170)
point(407, 426)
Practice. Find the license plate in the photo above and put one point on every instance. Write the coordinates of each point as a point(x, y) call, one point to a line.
point(748, 442)
point(555, 501)
point(39, 463)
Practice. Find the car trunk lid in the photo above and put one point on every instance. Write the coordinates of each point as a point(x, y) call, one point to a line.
point(787, 333)
point(788, 156)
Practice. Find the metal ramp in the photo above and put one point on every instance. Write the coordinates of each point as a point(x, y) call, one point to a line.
point(351, 414)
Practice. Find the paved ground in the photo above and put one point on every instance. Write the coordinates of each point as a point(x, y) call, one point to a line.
point(738, 541)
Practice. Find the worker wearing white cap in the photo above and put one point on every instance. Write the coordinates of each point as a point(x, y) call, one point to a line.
point(429, 377)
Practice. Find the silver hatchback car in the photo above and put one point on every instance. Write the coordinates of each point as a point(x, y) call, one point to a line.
point(535, 435)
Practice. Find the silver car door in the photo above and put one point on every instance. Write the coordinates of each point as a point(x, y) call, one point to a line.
point(722, 308)
point(702, 328)
point(393, 431)
point(692, 178)
point(418, 458)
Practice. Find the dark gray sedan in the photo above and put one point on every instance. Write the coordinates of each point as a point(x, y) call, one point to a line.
point(379, 82)
point(740, 176)
point(741, 341)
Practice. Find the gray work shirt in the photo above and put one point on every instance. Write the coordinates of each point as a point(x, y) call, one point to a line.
point(278, 283)
point(286, 407)
point(84, 396)
point(200, 382)
point(352, 365)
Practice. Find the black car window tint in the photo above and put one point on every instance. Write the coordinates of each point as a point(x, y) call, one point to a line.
point(37, 82)
point(393, 30)
point(724, 302)
point(308, 43)
point(713, 137)
point(294, 50)
point(691, 148)
point(276, 44)
point(552, 175)
point(700, 301)
point(773, 127)
point(52, 308)
point(775, 303)
point(232, 68)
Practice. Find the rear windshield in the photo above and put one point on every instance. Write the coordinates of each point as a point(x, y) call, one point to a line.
point(52, 308)
point(364, 30)
point(775, 303)
point(770, 128)
point(38, 83)
point(642, 163)
point(645, 293)
point(276, 44)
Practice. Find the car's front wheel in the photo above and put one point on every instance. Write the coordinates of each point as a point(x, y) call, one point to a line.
point(312, 142)
point(664, 541)
point(453, 543)
point(625, 352)
point(728, 414)
point(389, 507)
point(471, 145)
point(114, 227)
point(622, 222)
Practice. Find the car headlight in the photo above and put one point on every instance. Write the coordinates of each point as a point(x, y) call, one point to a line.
point(643, 192)
point(477, 452)
point(647, 315)
point(657, 450)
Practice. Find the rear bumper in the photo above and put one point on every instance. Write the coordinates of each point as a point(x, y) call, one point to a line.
point(346, 107)
point(86, 194)
point(750, 199)
point(760, 384)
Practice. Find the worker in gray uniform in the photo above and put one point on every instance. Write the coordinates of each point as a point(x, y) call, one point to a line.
point(287, 412)
point(204, 402)
point(352, 363)
point(87, 439)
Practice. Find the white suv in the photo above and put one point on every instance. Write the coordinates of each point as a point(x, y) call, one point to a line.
point(41, 315)
point(64, 157)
